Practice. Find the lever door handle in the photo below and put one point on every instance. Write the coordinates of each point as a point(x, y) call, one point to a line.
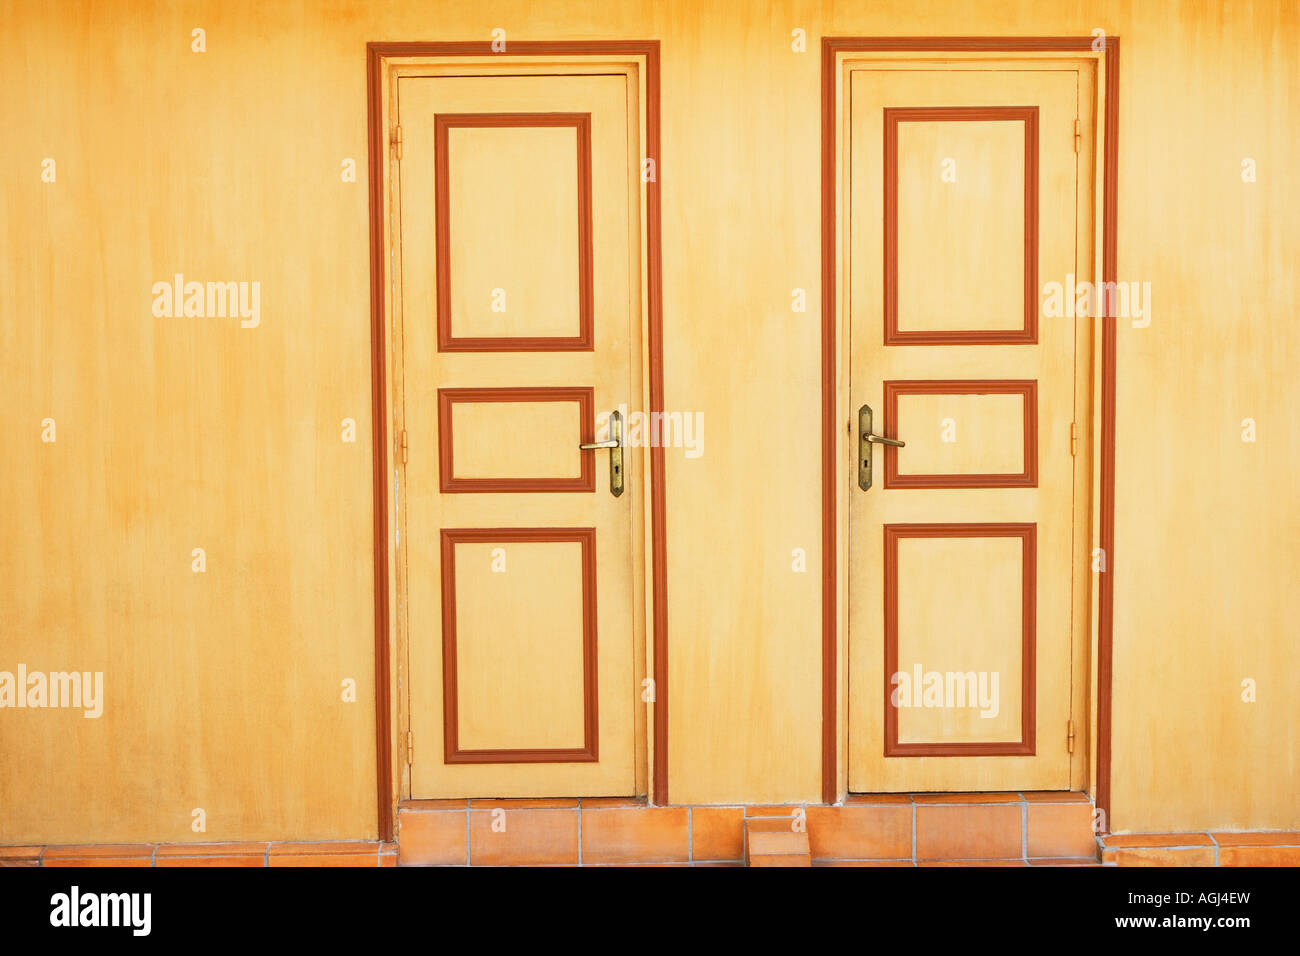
point(615, 446)
point(866, 439)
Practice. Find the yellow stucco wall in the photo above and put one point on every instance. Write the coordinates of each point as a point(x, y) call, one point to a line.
point(223, 689)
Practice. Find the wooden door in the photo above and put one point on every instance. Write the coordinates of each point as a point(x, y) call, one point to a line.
point(519, 257)
point(963, 191)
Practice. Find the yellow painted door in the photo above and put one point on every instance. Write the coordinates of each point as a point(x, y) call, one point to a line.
point(962, 203)
point(519, 257)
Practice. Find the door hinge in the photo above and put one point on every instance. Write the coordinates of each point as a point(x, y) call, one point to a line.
point(396, 141)
point(403, 446)
point(1069, 736)
point(1078, 134)
point(1074, 439)
point(410, 748)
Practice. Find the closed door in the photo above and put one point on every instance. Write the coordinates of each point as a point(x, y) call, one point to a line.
point(519, 256)
point(963, 191)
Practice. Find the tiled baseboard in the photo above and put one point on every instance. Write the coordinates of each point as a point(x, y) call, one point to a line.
point(1253, 848)
point(961, 829)
point(885, 829)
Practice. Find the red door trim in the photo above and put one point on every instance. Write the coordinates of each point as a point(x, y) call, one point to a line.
point(377, 146)
point(831, 46)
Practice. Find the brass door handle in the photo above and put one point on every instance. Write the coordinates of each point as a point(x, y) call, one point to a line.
point(865, 442)
point(615, 446)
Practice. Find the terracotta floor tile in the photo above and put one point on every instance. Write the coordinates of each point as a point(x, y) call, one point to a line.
point(717, 833)
point(860, 832)
point(646, 865)
point(777, 810)
point(772, 824)
point(1259, 856)
point(775, 842)
point(432, 837)
point(654, 834)
point(547, 804)
point(324, 848)
point(1061, 829)
point(953, 832)
point(1127, 840)
point(972, 863)
point(1288, 838)
point(325, 859)
point(1055, 796)
point(338, 853)
point(88, 861)
point(862, 863)
point(877, 799)
point(101, 850)
point(1065, 861)
point(529, 837)
point(20, 854)
point(1164, 856)
point(232, 859)
point(211, 849)
point(999, 797)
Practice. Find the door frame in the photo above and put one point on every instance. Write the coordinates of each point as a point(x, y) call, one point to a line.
point(392, 778)
point(1105, 50)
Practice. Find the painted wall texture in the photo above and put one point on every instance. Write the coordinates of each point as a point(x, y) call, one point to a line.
point(223, 690)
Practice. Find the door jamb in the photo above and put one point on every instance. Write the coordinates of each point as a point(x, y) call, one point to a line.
point(385, 454)
point(1108, 123)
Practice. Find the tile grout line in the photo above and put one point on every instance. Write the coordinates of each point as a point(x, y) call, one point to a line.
point(690, 834)
point(1024, 827)
point(913, 802)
